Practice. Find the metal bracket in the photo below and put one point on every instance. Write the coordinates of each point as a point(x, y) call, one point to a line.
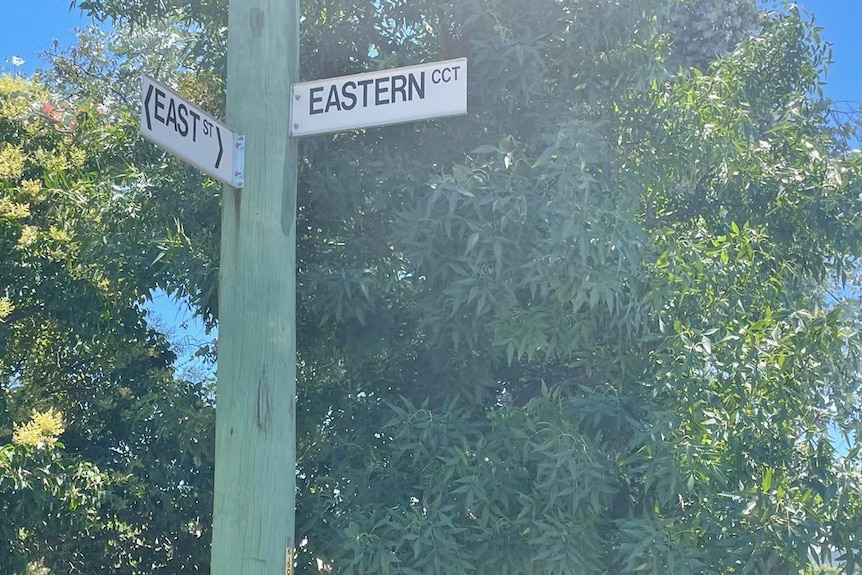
point(238, 179)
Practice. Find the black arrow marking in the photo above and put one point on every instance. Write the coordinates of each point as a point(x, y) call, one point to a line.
point(220, 148)
point(147, 107)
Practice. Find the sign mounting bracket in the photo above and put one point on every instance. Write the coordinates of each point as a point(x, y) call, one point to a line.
point(238, 178)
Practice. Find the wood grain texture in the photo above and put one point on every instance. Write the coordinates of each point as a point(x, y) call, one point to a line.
point(255, 465)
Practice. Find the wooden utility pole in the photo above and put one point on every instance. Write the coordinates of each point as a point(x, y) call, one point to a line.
point(255, 463)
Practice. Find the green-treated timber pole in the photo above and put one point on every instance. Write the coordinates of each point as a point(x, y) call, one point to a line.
point(255, 461)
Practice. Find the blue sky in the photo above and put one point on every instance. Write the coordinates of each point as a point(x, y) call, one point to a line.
point(28, 27)
point(841, 21)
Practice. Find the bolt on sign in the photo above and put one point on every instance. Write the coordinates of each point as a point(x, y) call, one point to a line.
point(394, 96)
point(181, 128)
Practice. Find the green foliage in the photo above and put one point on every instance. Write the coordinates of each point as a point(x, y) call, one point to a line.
point(642, 248)
point(125, 465)
point(583, 329)
point(49, 502)
point(156, 229)
point(705, 29)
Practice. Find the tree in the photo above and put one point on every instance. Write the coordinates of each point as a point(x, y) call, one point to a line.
point(582, 329)
point(108, 473)
point(48, 494)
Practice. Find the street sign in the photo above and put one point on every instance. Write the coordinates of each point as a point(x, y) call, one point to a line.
point(378, 98)
point(178, 126)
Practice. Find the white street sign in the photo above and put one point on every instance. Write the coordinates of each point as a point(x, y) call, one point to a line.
point(175, 124)
point(378, 98)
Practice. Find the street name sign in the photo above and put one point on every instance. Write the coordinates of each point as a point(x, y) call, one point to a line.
point(181, 128)
point(391, 96)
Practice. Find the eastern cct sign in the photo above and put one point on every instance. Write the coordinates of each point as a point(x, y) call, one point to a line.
point(390, 96)
point(181, 128)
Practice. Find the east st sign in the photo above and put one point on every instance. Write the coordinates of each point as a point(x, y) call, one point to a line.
point(171, 113)
point(183, 129)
